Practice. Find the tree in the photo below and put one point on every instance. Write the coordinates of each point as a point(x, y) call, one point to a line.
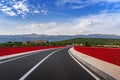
point(17, 44)
point(87, 44)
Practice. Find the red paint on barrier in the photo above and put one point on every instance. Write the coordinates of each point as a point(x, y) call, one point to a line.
point(111, 55)
point(16, 50)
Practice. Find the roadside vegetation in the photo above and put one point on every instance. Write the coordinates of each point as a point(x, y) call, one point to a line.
point(97, 42)
point(21, 44)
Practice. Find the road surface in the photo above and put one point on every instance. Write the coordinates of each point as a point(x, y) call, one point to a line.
point(55, 64)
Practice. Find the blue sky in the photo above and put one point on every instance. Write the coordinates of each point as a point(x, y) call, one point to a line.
point(63, 17)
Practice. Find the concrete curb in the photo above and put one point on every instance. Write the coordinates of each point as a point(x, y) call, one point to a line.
point(102, 75)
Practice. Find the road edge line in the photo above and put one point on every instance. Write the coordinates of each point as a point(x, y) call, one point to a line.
point(38, 64)
point(101, 74)
point(24, 55)
point(93, 75)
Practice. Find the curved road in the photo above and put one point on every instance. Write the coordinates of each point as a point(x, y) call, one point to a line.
point(55, 64)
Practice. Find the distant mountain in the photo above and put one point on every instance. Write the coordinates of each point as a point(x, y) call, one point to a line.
point(26, 37)
point(112, 36)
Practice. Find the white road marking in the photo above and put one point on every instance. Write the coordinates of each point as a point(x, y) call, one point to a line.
point(20, 57)
point(16, 58)
point(32, 69)
point(93, 75)
point(15, 55)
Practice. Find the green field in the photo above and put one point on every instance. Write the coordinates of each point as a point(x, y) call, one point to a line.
point(91, 41)
point(100, 42)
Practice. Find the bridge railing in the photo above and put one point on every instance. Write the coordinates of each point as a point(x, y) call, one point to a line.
point(15, 50)
point(111, 55)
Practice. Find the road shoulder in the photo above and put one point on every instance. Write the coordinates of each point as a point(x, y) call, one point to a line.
point(104, 69)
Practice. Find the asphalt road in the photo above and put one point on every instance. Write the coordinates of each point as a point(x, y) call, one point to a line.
point(54, 64)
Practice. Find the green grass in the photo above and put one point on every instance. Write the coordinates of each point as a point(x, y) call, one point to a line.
point(92, 41)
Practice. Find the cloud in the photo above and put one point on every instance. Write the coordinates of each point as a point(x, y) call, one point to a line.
point(36, 11)
point(84, 1)
point(37, 26)
point(68, 1)
point(44, 11)
point(102, 23)
point(73, 4)
point(1, 4)
point(113, 1)
point(8, 11)
point(78, 4)
point(20, 7)
point(14, 8)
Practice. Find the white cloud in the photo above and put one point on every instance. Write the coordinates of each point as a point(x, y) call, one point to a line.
point(82, 1)
point(102, 23)
point(1, 4)
point(5, 8)
point(8, 11)
point(78, 4)
point(68, 1)
point(20, 7)
point(36, 11)
point(108, 1)
point(44, 11)
point(74, 4)
point(13, 7)
point(37, 26)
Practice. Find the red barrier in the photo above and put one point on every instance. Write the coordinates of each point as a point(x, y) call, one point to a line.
point(111, 55)
point(15, 50)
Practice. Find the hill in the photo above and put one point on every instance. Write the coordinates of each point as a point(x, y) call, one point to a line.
point(92, 41)
point(27, 37)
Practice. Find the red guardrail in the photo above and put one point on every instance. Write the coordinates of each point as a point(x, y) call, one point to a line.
point(111, 55)
point(15, 50)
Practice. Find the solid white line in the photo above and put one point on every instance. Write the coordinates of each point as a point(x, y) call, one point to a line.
point(32, 69)
point(31, 53)
point(93, 75)
point(16, 58)
point(18, 54)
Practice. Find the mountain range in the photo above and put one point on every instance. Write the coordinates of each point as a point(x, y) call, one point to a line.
point(27, 37)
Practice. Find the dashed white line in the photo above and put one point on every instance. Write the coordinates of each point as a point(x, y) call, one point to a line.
point(84, 67)
point(32, 69)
